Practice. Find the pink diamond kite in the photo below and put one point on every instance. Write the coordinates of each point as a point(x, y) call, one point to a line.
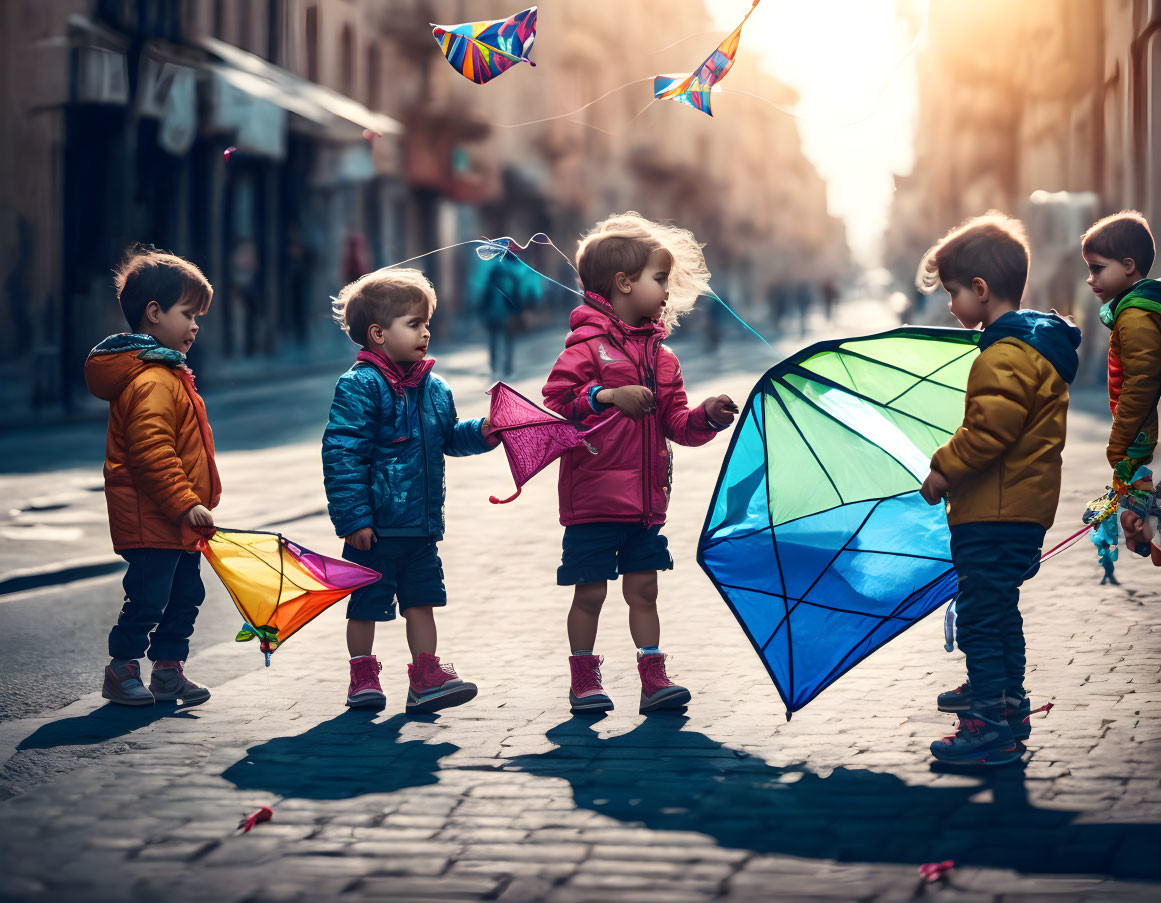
point(533, 438)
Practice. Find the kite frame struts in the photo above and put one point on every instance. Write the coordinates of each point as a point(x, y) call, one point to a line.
point(942, 584)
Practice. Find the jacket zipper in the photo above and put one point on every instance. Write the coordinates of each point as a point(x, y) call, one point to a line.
point(419, 393)
point(645, 373)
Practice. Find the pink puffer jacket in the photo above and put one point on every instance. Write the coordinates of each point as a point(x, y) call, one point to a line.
point(629, 478)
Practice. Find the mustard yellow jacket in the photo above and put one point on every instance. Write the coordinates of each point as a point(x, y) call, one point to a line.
point(1134, 370)
point(1003, 463)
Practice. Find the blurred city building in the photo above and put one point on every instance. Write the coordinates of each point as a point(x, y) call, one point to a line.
point(1050, 111)
point(118, 115)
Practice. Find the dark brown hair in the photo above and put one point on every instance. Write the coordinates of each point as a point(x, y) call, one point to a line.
point(1120, 236)
point(992, 247)
point(380, 297)
point(146, 274)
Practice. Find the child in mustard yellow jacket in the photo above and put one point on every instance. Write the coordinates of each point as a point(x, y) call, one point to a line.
point(999, 473)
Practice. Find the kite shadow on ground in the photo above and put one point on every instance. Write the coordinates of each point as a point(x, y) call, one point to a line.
point(345, 757)
point(108, 722)
point(669, 779)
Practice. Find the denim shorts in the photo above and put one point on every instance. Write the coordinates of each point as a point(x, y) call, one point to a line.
point(412, 574)
point(594, 553)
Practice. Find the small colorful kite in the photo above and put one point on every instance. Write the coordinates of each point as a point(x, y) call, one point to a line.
point(533, 438)
point(694, 89)
point(278, 586)
point(816, 536)
point(480, 51)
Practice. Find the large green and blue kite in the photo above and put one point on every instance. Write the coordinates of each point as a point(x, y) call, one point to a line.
point(816, 535)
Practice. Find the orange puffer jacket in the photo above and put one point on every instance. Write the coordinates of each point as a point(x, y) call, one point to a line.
point(159, 452)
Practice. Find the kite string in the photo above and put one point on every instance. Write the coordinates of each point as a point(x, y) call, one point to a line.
point(516, 125)
point(712, 294)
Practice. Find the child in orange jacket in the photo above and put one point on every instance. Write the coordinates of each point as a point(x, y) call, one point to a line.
point(160, 477)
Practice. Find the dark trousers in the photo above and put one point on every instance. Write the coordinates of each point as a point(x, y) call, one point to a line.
point(501, 348)
point(992, 560)
point(163, 590)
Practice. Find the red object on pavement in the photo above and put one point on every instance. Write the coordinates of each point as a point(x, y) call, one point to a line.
point(933, 871)
point(263, 814)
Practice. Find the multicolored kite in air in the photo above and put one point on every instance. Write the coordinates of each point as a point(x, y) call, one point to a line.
point(694, 89)
point(480, 51)
point(277, 585)
point(533, 438)
point(816, 536)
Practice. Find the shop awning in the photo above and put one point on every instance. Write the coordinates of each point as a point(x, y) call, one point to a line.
point(291, 92)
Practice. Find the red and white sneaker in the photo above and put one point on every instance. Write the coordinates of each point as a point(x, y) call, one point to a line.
point(587, 696)
point(365, 692)
point(657, 690)
point(434, 686)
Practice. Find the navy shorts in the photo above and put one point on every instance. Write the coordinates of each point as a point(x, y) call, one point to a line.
point(412, 573)
point(594, 553)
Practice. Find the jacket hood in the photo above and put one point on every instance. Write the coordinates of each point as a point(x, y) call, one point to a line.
point(1145, 294)
point(117, 361)
point(596, 315)
point(1050, 334)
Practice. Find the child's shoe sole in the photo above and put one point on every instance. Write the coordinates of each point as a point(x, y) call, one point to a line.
point(665, 699)
point(369, 700)
point(589, 705)
point(440, 699)
point(197, 698)
point(988, 758)
point(127, 700)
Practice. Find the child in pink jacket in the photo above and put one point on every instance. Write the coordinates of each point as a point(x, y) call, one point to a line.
point(612, 504)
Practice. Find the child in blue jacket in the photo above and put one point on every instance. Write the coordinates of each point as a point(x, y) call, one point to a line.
point(391, 423)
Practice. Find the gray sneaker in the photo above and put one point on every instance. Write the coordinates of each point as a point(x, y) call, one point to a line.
point(169, 684)
point(123, 683)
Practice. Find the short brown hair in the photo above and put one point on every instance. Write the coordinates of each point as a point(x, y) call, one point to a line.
point(992, 247)
point(602, 256)
point(380, 297)
point(1120, 236)
point(146, 274)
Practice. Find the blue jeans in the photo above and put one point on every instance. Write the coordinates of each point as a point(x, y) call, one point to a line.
point(163, 590)
point(992, 559)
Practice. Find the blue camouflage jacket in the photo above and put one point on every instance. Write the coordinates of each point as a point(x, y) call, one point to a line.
point(383, 453)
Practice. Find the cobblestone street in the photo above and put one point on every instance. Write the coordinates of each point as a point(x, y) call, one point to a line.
point(509, 798)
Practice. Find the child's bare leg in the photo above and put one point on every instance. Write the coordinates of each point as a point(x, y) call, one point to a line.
point(640, 591)
point(360, 637)
point(587, 599)
point(421, 634)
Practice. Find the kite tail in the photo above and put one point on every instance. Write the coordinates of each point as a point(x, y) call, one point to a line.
point(511, 498)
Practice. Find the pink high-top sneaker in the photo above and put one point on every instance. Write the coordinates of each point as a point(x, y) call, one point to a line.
point(586, 695)
point(365, 692)
point(435, 686)
point(657, 690)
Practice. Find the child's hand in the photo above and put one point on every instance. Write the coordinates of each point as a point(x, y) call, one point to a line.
point(486, 431)
point(934, 487)
point(721, 410)
point(199, 516)
point(362, 539)
point(635, 401)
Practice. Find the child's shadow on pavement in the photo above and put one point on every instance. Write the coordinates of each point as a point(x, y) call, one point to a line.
point(345, 757)
point(670, 779)
point(100, 725)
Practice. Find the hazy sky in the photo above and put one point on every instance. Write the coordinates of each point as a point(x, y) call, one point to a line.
point(849, 61)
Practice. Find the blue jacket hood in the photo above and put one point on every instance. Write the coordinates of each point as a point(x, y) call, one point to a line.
point(1050, 334)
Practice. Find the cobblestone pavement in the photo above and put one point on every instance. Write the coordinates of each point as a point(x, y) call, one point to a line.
point(509, 798)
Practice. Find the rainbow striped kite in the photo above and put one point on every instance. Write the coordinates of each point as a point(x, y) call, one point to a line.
point(480, 51)
point(694, 89)
point(278, 586)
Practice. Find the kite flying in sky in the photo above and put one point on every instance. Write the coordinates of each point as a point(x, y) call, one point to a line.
point(816, 536)
point(532, 437)
point(480, 51)
point(694, 89)
point(277, 585)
